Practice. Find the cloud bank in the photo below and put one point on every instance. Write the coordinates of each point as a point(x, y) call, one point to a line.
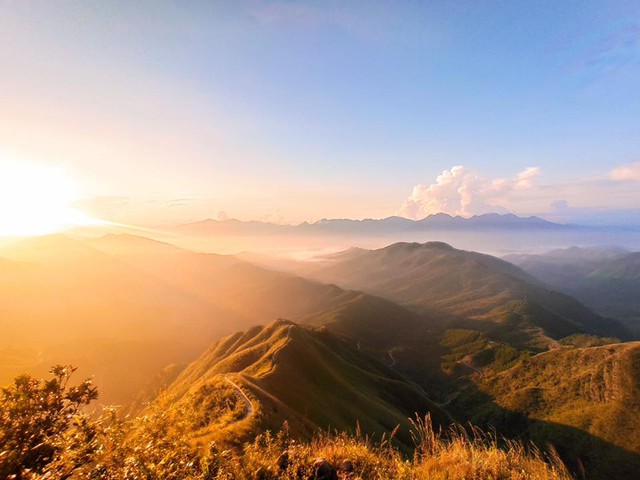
point(626, 172)
point(459, 191)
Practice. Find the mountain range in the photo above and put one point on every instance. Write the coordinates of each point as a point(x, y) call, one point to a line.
point(498, 234)
point(369, 226)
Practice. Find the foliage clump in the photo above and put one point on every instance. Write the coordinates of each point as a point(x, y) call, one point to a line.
point(44, 435)
point(35, 420)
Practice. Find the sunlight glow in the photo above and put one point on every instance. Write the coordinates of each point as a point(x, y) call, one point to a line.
point(37, 200)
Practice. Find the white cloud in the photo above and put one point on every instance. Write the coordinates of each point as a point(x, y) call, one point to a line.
point(525, 179)
point(458, 191)
point(626, 172)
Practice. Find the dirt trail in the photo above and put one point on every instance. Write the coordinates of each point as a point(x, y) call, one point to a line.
point(242, 395)
point(244, 398)
point(393, 359)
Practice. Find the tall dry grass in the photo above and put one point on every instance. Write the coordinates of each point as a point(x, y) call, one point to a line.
point(454, 454)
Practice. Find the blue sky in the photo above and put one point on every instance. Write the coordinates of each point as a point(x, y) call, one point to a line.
point(292, 111)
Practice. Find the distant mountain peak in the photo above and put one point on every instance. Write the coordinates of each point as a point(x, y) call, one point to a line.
point(440, 245)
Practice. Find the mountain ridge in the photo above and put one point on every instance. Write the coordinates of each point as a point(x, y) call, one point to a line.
point(393, 224)
point(308, 377)
point(606, 279)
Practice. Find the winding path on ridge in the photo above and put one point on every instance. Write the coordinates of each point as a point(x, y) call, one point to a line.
point(427, 396)
point(249, 405)
point(244, 398)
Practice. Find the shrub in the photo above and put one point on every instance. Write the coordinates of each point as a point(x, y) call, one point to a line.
point(35, 416)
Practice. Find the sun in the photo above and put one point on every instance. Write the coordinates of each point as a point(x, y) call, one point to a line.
point(37, 200)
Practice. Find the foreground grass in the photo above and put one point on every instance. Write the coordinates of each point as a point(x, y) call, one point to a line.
point(43, 435)
point(451, 455)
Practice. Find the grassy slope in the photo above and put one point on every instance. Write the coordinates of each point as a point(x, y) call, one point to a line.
point(309, 378)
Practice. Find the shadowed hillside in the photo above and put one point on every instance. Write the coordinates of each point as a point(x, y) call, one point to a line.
point(583, 400)
point(606, 279)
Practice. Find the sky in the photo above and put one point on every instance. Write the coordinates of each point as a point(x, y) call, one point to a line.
point(287, 111)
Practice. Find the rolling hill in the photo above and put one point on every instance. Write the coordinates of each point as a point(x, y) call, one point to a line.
point(465, 289)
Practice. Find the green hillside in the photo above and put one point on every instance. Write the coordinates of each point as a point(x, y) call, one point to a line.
point(372, 321)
